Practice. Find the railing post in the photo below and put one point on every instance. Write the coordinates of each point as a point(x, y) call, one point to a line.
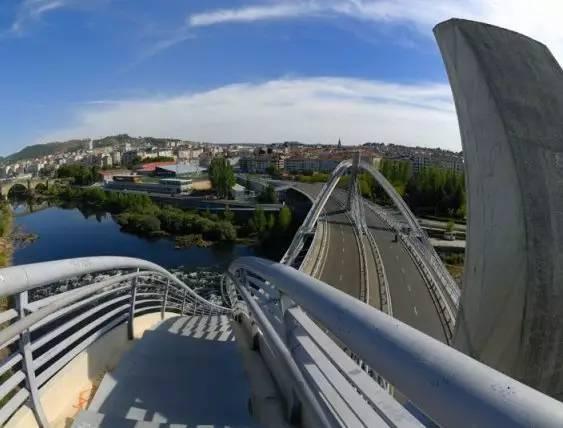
point(184, 302)
point(27, 365)
point(130, 330)
point(165, 299)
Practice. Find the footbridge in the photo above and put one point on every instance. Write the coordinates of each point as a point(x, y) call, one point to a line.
point(132, 345)
point(351, 329)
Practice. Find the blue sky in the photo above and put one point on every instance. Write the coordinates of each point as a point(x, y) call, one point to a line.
point(238, 71)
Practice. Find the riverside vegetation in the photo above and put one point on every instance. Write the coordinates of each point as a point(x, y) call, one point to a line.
point(138, 214)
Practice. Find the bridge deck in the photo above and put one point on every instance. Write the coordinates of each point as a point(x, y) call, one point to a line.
point(186, 371)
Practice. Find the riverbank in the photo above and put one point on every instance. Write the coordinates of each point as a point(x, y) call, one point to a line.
point(140, 215)
point(6, 247)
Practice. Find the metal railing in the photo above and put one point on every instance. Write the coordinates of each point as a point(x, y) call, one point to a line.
point(447, 386)
point(50, 325)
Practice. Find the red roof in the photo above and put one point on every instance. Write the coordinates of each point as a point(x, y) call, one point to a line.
point(150, 167)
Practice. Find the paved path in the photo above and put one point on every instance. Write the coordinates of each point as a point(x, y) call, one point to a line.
point(195, 361)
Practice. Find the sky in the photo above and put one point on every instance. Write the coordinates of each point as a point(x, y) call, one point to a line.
point(234, 71)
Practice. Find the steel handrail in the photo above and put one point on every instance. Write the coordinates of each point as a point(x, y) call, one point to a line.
point(17, 279)
point(447, 385)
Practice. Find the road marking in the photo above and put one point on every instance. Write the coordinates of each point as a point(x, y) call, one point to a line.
point(415, 311)
point(396, 257)
point(340, 277)
point(403, 270)
point(342, 249)
point(409, 287)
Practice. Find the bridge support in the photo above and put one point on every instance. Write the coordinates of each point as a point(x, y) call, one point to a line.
point(508, 92)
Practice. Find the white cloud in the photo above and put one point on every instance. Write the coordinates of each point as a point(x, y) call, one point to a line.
point(256, 13)
point(32, 10)
point(540, 19)
point(309, 110)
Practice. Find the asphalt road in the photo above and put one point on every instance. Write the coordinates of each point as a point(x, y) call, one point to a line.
point(341, 268)
point(411, 300)
point(410, 297)
point(342, 264)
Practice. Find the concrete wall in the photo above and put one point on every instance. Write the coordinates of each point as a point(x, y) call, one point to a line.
point(63, 396)
point(508, 92)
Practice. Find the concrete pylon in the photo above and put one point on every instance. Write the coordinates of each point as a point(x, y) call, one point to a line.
point(508, 92)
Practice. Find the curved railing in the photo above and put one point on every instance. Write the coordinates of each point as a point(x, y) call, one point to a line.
point(48, 325)
point(449, 387)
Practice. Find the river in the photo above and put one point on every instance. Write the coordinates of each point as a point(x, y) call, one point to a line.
point(65, 233)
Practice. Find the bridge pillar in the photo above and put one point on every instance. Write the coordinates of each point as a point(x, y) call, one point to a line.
point(508, 92)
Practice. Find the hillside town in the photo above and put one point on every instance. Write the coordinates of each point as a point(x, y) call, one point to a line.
point(177, 157)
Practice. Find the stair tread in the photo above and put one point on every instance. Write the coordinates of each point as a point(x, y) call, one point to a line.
point(186, 370)
point(89, 419)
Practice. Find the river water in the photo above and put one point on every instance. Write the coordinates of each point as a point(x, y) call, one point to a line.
point(65, 233)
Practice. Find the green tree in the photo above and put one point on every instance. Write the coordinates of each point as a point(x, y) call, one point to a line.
point(222, 176)
point(258, 223)
point(284, 218)
point(268, 195)
point(271, 221)
point(228, 215)
point(273, 171)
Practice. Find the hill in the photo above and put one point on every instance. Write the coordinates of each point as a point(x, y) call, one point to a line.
point(38, 150)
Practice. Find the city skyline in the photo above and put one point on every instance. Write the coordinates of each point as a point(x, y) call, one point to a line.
point(245, 71)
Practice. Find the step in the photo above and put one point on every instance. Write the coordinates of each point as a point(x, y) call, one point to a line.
point(187, 370)
point(89, 419)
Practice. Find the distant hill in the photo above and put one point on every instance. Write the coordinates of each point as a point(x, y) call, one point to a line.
point(38, 150)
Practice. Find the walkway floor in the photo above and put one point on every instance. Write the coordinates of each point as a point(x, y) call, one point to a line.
point(187, 372)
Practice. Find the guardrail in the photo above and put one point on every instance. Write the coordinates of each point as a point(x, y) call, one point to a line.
point(446, 385)
point(49, 327)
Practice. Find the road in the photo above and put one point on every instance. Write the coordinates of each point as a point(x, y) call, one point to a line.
point(341, 267)
point(410, 297)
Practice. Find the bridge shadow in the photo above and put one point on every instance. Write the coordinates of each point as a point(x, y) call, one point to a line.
point(185, 372)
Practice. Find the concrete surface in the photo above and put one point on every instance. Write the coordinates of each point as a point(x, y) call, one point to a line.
point(508, 91)
point(63, 395)
point(185, 371)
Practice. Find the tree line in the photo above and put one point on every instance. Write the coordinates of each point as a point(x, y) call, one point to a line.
point(436, 191)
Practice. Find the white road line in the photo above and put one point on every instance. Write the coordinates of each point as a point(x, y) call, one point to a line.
point(403, 270)
point(340, 277)
point(415, 311)
point(409, 287)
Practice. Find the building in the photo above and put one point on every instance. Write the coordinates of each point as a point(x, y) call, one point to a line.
point(259, 164)
point(116, 158)
point(150, 168)
point(179, 170)
point(240, 192)
point(167, 186)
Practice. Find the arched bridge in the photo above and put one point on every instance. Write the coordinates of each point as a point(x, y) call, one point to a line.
point(29, 184)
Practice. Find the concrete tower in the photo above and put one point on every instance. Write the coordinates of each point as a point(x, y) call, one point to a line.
point(508, 92)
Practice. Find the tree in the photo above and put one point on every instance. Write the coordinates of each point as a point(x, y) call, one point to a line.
point(222, 176)
point(268, 195)
point(273, 171)
point(258, 222)
point(228, 215)
point(271, 221)
point(284, 219)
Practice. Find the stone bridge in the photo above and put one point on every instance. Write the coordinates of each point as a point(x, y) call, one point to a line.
point(30, 184)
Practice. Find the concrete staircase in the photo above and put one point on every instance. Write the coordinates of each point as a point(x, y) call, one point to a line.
point(186, 372)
